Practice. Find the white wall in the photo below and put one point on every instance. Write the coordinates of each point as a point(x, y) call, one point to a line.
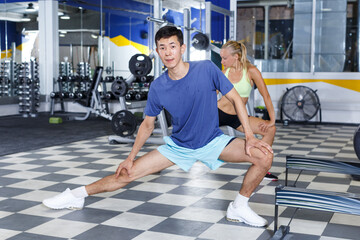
point(338, 103)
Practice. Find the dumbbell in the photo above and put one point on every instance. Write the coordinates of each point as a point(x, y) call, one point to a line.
point(140, 96)
point(24, 110)
point(65, 94)
point(28, 98)
point(130, 95)
point(109, 79)
point(54, 95)
point(71, 95)
point(23, 92)
point(108, 95)
point(80, 95)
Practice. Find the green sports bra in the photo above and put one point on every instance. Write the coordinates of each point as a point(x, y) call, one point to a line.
point(243, 87)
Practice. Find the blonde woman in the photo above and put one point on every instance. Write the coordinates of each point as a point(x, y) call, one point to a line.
point(243, 75)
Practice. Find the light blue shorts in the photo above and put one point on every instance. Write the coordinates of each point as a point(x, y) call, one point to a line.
point(186, 157)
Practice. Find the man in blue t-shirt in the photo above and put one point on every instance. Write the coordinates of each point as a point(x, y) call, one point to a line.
point(187, 90)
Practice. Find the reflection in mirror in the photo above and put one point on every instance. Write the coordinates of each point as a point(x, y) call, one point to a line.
point(18, 31)
point(78, 34)
point(78, 49)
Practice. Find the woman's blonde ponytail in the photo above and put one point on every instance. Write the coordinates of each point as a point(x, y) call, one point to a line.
point(243, 56)
point(239, 49)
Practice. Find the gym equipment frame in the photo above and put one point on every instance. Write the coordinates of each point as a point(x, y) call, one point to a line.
point(348, 203)
point(93, 102)
point(113, 139)
point(320, 165)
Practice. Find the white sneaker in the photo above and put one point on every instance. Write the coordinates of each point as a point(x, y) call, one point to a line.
point(64, 200)
point(246, 215)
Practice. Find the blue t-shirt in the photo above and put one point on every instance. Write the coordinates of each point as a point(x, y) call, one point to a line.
point(191, 102)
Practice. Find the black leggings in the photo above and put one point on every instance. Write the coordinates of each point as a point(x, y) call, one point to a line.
point(228, 120)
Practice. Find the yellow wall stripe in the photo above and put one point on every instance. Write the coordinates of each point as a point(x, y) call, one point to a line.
point(20, 47)
point(8, 55)
point(9, 52)
point(121, 41)
point(352, 84)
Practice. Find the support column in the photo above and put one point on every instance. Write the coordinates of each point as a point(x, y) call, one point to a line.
point(158, 15)
point(208, 25)
point(266, 25)
point(233, 20)
point(101, 38)
point(158, 63)
point(48, 44)
point(312, 46)
point(187, 34)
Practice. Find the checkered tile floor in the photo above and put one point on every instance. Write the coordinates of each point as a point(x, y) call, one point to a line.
point(172, 204)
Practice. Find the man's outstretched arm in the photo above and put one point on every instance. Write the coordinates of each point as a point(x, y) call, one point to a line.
point(144, 132)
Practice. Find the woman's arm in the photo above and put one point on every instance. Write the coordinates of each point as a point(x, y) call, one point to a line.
point(241, 112)
point(255, 75)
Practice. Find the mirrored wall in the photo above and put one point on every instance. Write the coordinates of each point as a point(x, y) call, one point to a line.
point(18, 34)
point(301, 35)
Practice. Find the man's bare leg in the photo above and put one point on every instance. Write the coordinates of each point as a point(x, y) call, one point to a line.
point(239, 210)
point(261, 163)
point(267, 137)
point(151, 162)
point(74, 199)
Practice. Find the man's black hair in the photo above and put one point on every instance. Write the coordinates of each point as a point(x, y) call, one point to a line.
point(169, 31)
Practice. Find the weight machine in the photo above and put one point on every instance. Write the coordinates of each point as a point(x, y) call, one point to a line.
point(93, 102)
point(124, 123)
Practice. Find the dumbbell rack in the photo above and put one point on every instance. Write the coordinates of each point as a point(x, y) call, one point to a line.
point(8, 78)
point(82, 82)
point(65, 71)
point(29, 85)
point(5, 79)
point(106, 95)
point(71, 86)
point(65, 74)
point(83, 69)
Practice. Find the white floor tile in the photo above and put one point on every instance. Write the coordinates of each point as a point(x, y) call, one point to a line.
point(200, 214)
point(231, 232)
point(134, 221)
point(174, 199)
point(112, 204)
point(62, 228)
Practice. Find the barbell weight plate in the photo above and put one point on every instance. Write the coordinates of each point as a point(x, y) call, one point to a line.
point(201, 41)
point(357, 142)
point(119, 87)
point(140, 65)
point(123, 123)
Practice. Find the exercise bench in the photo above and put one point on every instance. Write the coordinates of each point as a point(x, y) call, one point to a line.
point(299, 198)
point(319, 165)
